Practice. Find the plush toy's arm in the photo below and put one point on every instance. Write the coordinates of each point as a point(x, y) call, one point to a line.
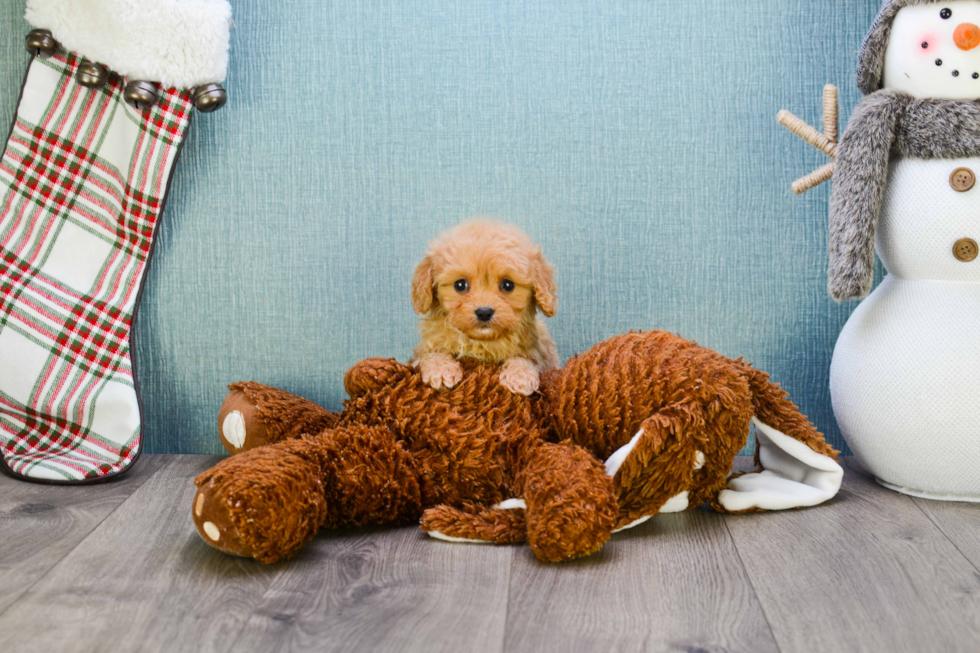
point(859, 183)
point(566, 506)
point(372, 374)
point(266, 503)
point(254, 415)
point(571, 504)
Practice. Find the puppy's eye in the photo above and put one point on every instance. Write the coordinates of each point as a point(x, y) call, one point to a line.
point(945, 14)
point(461, 285)
point(507, 285)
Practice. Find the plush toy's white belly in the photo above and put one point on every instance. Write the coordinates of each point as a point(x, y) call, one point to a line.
point(905, 377)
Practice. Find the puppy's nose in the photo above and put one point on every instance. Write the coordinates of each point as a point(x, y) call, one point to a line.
point(484, 313)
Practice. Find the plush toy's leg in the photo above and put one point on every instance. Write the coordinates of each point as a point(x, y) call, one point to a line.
point(567, 509)
point(655, 471)
point(268, 502)
point(474, 523)
point(254, 415)
point(795, 466)
point(571, 504)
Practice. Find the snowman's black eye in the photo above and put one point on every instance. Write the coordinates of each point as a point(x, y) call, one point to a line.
point(939, 62)
point(956, 73)
point(976, 75)
point(945, 14)
point(461, 285)
point(925, 44)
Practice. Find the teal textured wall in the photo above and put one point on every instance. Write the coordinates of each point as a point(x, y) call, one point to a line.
point(634, 139)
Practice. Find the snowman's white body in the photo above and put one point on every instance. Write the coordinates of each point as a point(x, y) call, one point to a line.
point(905, 377)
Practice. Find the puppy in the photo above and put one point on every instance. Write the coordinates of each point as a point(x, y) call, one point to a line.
point(479, 289)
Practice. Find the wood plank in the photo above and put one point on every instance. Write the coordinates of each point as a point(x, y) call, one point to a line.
point(142, 580)
point(959, 521)
point(673, 583)
point(865, 572)
point(40, 524)
point(385, 590)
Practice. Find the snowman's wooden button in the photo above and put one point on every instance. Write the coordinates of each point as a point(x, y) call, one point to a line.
point(962, 180)
point(966, 249)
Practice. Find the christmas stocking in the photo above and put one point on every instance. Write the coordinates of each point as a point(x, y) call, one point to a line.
point(105, 105)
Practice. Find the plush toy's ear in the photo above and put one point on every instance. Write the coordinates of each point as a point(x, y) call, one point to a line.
point(543, 280)
point(423, 292)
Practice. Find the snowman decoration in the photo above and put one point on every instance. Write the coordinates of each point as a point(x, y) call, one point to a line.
point(905, 375)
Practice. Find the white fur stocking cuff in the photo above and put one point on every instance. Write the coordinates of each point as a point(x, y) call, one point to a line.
point(176, 43)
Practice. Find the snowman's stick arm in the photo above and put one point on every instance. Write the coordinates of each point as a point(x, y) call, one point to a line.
point(830, 112)
point(815, 178)
point(826, 142)
point(807, 133)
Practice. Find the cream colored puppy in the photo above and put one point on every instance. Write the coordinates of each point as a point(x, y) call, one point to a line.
point(479, 289)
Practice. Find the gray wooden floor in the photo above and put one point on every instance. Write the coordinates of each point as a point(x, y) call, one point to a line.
point(118, 567)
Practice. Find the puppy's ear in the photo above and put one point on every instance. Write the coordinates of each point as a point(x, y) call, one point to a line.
point(423, 292)
point(543, 280)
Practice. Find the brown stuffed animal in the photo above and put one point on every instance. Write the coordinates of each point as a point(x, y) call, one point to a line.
point(480, 463)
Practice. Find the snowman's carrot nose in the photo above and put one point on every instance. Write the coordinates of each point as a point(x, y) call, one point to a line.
point(966, 36)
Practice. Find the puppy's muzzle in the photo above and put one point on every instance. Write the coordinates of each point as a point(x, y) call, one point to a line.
point(484, 313)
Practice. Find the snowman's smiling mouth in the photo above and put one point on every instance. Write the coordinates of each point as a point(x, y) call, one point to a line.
point(956, 73)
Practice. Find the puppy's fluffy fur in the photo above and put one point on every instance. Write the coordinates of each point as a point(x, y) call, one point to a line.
point(483, 264)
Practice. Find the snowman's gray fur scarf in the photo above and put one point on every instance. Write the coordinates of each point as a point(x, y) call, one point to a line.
point(871, 59)
point(885, 124)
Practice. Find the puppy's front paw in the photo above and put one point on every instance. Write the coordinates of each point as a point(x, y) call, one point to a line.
point(440, 371)
point(520, 376)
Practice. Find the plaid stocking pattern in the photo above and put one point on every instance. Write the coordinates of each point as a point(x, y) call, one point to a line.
point(83, 180)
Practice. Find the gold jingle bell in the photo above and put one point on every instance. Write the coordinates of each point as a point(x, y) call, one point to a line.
point(140, 95)
point(40, 43)
point(92, 75)
point(210, 97)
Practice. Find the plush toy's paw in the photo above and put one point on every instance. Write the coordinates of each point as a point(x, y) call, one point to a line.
point(265, 503)
point(214, 524)
point(238, 426)
point(440, 370)
point(520, 376)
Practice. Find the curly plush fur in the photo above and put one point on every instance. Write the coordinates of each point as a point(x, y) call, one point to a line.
point(401, 451)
